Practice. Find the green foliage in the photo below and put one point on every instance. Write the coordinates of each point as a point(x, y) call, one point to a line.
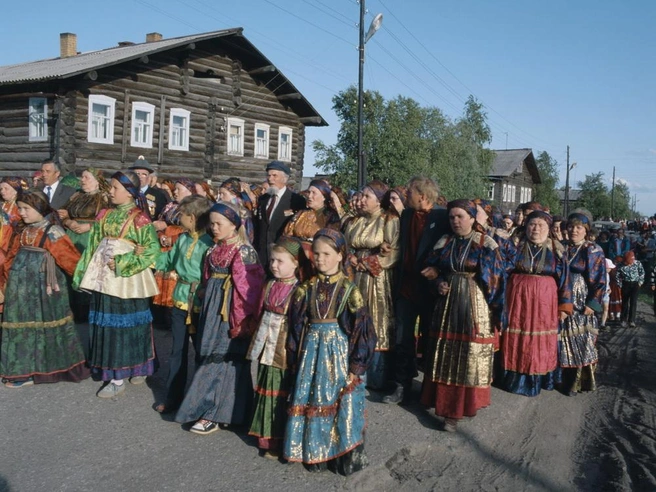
point(596, 197)
point(546, 192)
point(403, 139)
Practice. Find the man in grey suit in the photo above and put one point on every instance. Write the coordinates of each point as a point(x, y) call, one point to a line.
point(58, 194)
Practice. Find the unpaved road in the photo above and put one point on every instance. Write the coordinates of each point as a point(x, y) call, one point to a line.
point(61, 437)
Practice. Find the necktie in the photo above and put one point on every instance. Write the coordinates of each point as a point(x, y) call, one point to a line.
point(272, 203)
point(49, 193)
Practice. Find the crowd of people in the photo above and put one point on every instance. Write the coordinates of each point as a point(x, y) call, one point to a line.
point(325, 295)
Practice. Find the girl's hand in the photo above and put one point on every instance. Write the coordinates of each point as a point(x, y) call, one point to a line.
point(385, 249)
point(139, 250)
point(352, 377)
point(443, 288)
point(63, 214)
point(430, 273)
point(588, 311)
point(111, 264)
point(562, 315)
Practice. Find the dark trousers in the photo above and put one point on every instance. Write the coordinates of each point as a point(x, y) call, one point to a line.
point(629, 301)
point(405, 350)
point(176, 380)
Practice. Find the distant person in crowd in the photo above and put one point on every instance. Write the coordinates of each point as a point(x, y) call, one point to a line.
point(10, 186)
point(538, 297)
point(619, 244)
point(644, 249)
point(37, 180)
point(275, 208)
point(422, 224)
point(508, 223)
point(556, 228)
point(40, 342)
point(155, 197)
point(373, 239)
point(121, 285)
point(615, 301)
point(485, 217)
point(610, 266)
point(630, 278)
point(58, 194)
point(578, 335)
point(398, 198)
point(470, 276)
point(231, 191)
point(603, 241)
point(204, 189)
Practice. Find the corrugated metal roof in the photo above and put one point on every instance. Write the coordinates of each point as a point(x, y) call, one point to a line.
point(56, 68)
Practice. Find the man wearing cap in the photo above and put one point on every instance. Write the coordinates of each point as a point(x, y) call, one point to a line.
point(274, 209)
point(58, 194)
point(155, 197)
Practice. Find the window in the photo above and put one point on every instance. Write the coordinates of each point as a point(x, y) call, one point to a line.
point(261, 140)
point(38, 119)
point(179, 129)
point(235, 136)
point(505, 193)
point(490, 191)
point(529, 194)
point(284, 143)
point(101, 119)
point(513, 193)
point(143, 115)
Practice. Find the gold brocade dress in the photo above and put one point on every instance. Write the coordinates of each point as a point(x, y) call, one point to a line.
point(365, 235)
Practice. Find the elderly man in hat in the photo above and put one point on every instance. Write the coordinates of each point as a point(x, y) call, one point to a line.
point(274, 209)
point(155, 197)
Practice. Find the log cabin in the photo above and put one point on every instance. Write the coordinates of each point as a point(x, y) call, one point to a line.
point(513, 178)
point(205, 106)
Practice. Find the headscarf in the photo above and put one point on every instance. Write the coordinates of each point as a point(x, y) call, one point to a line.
point(402, 192)
point(188, 183)
point(323, 186)
point(539, 214)
point(103, 185)
point(135, 191)
point(208, 190)
point(16, 182)
point(468, 206)
point(292, 245)
point(228, 212)
point(336, 237)
point(36, 199)
point(579, 217)
point(378, 187)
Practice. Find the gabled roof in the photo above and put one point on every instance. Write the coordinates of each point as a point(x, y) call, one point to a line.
point(507, 162)
point(245, 51)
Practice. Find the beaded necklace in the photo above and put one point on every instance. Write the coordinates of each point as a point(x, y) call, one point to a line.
point(460, 259)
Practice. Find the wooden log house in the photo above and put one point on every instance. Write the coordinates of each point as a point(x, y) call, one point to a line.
point(206, 106)
point(513, 178)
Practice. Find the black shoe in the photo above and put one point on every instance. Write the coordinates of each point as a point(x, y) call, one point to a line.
point(396, 397)
point(317, 467)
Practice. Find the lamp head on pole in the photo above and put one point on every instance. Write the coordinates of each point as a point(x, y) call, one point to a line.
point(374, 26)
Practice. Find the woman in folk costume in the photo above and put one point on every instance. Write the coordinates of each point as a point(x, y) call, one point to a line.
point(222, 389)
point(464, 333)
point(578, 334)
point(6, 237)
point(538, 297)
point(330, 345)
point(40, 343)
point(121, 284)
point(268, 348)
point(232, 191)
point(373, 239)
point(10, 187)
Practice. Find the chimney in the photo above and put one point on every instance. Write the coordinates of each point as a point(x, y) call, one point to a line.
point(123, 44)
point(151, 37)
point(67, 44)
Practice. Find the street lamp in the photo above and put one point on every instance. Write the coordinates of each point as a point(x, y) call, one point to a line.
point(375, 25)
point(569, 168)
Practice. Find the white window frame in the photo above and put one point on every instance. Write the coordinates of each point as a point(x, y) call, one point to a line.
point(146, 108)
point(505, 193)
point(236, 122)
point(38, 121)
point(529, 194)
point(111, 104)
point(285, 130)
point(267, 141)
point(513, 193)
point(183, 113)
point(490, 191)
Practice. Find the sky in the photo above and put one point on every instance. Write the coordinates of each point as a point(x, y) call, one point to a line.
point(549, 74)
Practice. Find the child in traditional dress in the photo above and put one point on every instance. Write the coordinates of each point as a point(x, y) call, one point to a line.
point(186, 259)
point(121, 283)
point(268, 348)
point(40, 343)
point(222, 389)
point(330, 345)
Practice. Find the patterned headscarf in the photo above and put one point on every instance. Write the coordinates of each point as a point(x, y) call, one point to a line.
point(336, 237)
point(468, 206)
point(291, 244)
point(135, 191)
point(188, 183)
point(228, 212)
point(539, 214)
point(15, 182)
point(103, 185)
point(579, 217)
point(208, 190)
point(378, 187)
point(323, 186)
point(233, 185)
point(36, 199)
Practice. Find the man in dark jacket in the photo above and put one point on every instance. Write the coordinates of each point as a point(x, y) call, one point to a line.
point(58, 194)
point(274, 209)
point(155, 197)
point(422, 224)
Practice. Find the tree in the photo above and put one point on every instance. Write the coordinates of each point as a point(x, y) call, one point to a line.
point(546, 192)
point(596, 197)
point(403, 139)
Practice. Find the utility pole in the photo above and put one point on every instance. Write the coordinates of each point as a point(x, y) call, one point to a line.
point(566, 204)
point(362, 173)
point(612, 197)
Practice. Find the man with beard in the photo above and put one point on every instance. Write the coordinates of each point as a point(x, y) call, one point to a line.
point(274, 209)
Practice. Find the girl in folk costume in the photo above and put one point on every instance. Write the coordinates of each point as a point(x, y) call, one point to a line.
point(40, 343)
point(121, 283)
point(222, 390)
point(186, 259)
point(268, 348)
point(10, 187)
point(330, 345)
point(466, 319)
point(232, 191)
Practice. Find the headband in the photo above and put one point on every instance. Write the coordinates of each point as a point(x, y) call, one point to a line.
point(228, 212)
point(135, 191)
point(378, 187)
point(35, 199)
point(187, 183)
point(291, 245)
point(582, 218)
point(323, 187)
point(468, 206)
point(335, 236)
point(539, 214)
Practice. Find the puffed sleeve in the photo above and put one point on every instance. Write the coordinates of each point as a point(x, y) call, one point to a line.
point(62, 250)
point(297, 317)
point(129, 264)
point(94, 238)
point(595, 276)
point(564, 280)
point(378, 262)
point(492, 272)
point(356, 321)
point(248, 280)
